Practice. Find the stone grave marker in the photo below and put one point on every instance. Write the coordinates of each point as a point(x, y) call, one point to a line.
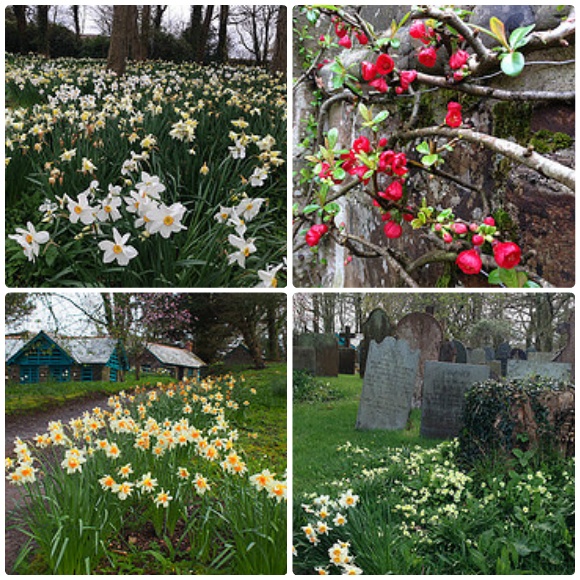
point(326, 352)
point(523, 369)
point(388, 385)
point(540, 357)
point(461, 357)
point(447, 352)
point(503, 354)
point(518, 354)
point(489, 353)
point(444, 396)
point(377, 327)
point(477, 356)
point(423, 333)
point(566, 355)
point(346, 361)
point(304, 359)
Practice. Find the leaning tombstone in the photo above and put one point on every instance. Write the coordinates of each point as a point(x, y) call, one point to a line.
point(424, 333)
point(377, 327)
point(525, 369)
point(388, 385)
point(444, 396)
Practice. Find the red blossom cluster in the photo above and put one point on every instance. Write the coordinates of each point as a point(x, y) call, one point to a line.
point(344, 31)
point(379, 73)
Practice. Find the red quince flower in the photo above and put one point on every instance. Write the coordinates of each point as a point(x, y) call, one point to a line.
point(458, 59)
point(453, 118)
point(447, 238)
point(406, 77)
point(507, 255)
point(393, 230)
point(345, 42)
point(314, 234)
point(469, 262)
point(394, 192)
point(380, 84)
point(340, 28)
point(489, 221)
point(369, 71)
point(361, 144)
point(459, 228)
point(418, 30)
point(477, 240)
point(428, 56)
point(385, 64)
point(361, 37)
point(383, 142)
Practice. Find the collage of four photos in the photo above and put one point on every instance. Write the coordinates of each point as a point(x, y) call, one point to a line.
point(289, 289)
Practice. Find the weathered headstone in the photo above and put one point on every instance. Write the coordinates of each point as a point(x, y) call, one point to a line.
point(346, 361)
point(477, 356)
point(489, 353)
point(444, 396)
point(423, 332)
point(518, 354)
point(540, 357)
point(447, 352)
point(503, 354)
point(388, 385)
point(304, 359)
point(377, 327)
point(523, 369)
point(326, 352)
point(461, 357)
point(566, 355)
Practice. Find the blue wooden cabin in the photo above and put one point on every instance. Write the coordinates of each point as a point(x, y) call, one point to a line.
point(49, 358)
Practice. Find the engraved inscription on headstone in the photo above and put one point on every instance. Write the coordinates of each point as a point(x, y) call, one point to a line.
point(444, 395)
point(388, 385)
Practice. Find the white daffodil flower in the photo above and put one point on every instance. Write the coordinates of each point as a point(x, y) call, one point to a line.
point(118, 250)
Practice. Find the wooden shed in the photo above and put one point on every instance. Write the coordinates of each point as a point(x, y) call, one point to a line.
point(50, 358)
point(178, 362)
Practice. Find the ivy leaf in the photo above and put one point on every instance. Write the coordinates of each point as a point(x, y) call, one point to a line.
point(512, 64)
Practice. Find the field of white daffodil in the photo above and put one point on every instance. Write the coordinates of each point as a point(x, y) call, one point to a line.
point(173, 175)
point(162, 471)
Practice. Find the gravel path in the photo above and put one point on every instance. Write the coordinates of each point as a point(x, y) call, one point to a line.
point(26, 427)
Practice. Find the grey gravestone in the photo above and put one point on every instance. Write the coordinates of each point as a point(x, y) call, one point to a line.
point(304, 359)
point(489, 353)
point(566, 355)
point(447, 352)
point(523, 369)
point(503, 354)
point(461, 356)
point(326, 349)
point(423, 332)
point(444, 396)
point(388, 385)
point(346, 361)
point(518, 354)
point(377, 327)
point(477, 356)
point(540, 357)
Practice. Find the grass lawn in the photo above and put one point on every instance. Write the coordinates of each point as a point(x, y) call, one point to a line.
point(24, 398)
point(319, 428)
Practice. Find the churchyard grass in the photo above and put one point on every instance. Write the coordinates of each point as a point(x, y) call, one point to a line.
point(171, 176)
point(381, 502)
point(175, 479)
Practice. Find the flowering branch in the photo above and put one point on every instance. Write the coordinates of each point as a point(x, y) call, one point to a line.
point(523, 155)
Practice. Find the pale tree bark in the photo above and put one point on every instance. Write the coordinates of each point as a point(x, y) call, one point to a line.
point(278, 63)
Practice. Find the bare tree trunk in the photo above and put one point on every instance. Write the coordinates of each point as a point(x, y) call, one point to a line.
point(222, 47)
point(158, 16)
point(43, 36)
point(20, 14)
point(278, 63)
point(77, 21)
point(205, 33)
point(145, 32)
point(124, 38)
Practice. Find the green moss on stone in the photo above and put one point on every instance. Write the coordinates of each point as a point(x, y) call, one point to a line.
point(545, 141)
point(512, 120)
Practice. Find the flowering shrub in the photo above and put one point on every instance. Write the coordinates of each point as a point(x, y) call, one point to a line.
point(414, 511)
point(137, 167)
point(172, 456)
point(386, 153)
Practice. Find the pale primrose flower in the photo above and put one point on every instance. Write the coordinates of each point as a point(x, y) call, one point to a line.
point(245, 248)
point(81, 210)
point(223, 215)
point(249, 208)
point(237, 151)
point(166, 220)
point(117, 250)
point(30, 240)
point(67, 155)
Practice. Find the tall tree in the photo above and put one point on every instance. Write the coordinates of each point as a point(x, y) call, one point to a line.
point(75, 8)
point(16, 307)
point(222, 47)
point(158, 16)
point(20, 15)
point(278, 62)
point(43, 31)
point(145, 37)
point(124, 37)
